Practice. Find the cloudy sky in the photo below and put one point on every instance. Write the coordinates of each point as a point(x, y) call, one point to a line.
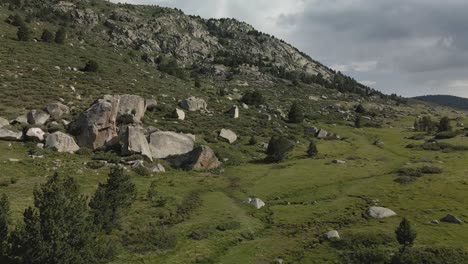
point(408, 47)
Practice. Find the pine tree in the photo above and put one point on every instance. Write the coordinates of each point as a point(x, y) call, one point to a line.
point(296, 114)
point(60, 36)
point(24, 33)
point(360, 109)
point(312, 151)
point(444, 124)
point(405, 234)
point(112, 198)
point(278, 149)
point(4, 215)
point(357, 121)
point(58, 229)
point(47, 36)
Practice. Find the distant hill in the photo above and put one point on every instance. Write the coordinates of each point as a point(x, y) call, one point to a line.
point(446, 100)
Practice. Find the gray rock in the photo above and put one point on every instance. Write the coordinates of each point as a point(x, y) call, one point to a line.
point(165, 143)
point(333, 234)
point(10, 135)
point(228, 135)
point(57, 110)
point(322, 134)
point(193, 104)
point(35, 134)
point(158, 168)
point(4, 122)
point(451, 219)
point(434, 222)
point(37, 117)
point(135, 142)
point(61, 142)
point(199, 159)
point(151, 104)
point(311, 130)
point(265, 117)
point(244, 106)
point(234, 112)
point(130, 104)
point(339, 161)
point(380, 212)
point(257, 203)
point(23, 119)
point(179, 114)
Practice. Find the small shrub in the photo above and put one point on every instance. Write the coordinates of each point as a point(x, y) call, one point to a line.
point(405, 179)
point(142, 171)
point(231, 225)
point(24, 33)
point(202, 232)
point(110, 157)
point(446, 135)
point(84, 152)
point(60, 36)
point(253, 98)
point(431, 170)
point(253, 141)
point(95, 164)
point(47, 36)
point(13, 180)
point(91, 66)
point(278, 149)
point(312, 151)
point(411, 172)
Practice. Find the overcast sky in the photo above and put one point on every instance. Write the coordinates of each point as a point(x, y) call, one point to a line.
point(408, 47)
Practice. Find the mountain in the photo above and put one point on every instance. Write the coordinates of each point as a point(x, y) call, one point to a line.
point(446, 100)
point(140, 134)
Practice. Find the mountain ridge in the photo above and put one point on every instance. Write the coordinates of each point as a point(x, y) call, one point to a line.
point(445, 100)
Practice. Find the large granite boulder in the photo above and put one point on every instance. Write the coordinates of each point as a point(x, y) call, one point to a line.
point(179, 114)
point(135, 142)
point(61, 142)
point(193, 104)
point(380, 212)
point(37, 117)
point(57, 110)
point(165, 143)
point(96, 127)
point(10, 135)
point(23, 119)
point(256, 202)
point(4, 122)
point(199, 159)
point(228, 135)
point(130, 104)
point(35, 134)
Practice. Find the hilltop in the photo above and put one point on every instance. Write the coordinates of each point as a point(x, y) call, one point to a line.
point(189, 109)
point(445, 100)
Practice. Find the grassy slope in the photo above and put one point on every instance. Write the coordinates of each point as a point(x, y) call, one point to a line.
point(304, 197)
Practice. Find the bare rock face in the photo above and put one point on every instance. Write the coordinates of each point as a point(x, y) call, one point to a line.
point(380, 212)
point(61, 142)
point(193, 104)
point(37, 117)
point(35, 134)
point(9, 135)
point(164, 144)
point(228, 135)
point(3, 122)
point(199, 159)
point(97, 127)
point(135, 142)
point(130, 104)
point(57, 110)
point(234, 112)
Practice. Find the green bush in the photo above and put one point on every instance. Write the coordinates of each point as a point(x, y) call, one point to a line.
point(91, 66)
point(411, 172)
point(405, 179)
point(431, 170)
point(202, 232)
point(446, 134)
point(231, 225)
point(278, 149)
point(47, 36)
point(142, 171)
point(60, 36)
point(110, 157)
point(151, 238)
point(95, 164)
point(253, 98)
point(24, 33)
point(432, 255)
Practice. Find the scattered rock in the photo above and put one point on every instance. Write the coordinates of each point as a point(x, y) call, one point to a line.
point(257, 203)
point(193, 104)
point(451, 219)
point(339, 161)
point(10, 135)
point(57, 110)
point(333, 234)
point(158, 168)
point(244, 106)
point(20, 120)
point(37, 117)
point(234, 112)
point(61, 142)
point(35, 134)
point(13, 160)
point(129, 104)
point(201, 158)
point(179, 114)
point(434, 222)
point(322, 134)
point(229, 135)
point(135, 142)
point(4, 122)
point(380, 212)
point(151, 104)
point(165, 143)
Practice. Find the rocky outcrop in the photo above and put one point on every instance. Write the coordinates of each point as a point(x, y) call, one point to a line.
point(228, 135)
point(37, 117)
point(35, 134)
point(96, 127)
point(380, 212)
point(4, 122)
point(234, 112)
point(165, 143)
point(135, 142)
point(57, 110)
point(199, 159)
point(61, 142)
point(10, 135)
point(193, 104)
